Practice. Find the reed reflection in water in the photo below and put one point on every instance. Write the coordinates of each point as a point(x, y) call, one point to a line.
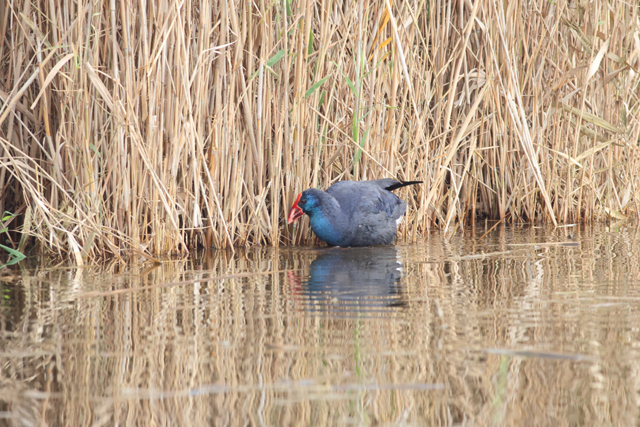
point(527, 326)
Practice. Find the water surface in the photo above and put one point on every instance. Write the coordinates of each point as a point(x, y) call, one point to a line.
point(525, 326)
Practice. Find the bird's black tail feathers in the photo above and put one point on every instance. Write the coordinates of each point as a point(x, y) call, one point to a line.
point(400, 184)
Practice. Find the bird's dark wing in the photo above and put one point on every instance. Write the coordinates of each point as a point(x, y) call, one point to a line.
point(391, 184)
point(361, 199)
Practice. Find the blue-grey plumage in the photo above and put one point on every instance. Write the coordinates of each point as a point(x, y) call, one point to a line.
point(353, 213)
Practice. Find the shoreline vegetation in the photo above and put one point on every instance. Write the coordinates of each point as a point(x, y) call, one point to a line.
point(150, 128)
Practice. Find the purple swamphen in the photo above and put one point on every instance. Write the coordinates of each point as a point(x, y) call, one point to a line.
point(353, 213)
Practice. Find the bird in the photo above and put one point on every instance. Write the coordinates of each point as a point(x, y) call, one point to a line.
point(353, 213)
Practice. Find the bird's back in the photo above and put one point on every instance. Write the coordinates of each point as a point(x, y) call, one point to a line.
point(370, 212)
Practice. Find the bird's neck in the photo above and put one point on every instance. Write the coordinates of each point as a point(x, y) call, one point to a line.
point(326, 223)
point(325, 230)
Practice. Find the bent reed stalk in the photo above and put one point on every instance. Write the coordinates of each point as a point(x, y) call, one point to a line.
point(146, 128)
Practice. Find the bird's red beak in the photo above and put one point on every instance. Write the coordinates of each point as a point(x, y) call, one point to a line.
point(295, 211)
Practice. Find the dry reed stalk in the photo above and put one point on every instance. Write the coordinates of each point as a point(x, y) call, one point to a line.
point(156, 127)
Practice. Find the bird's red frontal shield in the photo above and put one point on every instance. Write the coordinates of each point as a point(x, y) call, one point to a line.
point(295, 211)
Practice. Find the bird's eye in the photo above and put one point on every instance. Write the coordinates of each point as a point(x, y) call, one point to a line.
point(303, 201)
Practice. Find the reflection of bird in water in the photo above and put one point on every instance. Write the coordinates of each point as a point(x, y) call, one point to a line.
point(354, 279)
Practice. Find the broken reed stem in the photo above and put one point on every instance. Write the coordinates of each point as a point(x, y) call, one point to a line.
point(158, 127)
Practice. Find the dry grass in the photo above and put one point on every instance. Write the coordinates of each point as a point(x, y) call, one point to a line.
point(151, 128)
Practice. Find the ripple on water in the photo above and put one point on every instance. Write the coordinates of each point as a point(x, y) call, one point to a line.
point(461, 328)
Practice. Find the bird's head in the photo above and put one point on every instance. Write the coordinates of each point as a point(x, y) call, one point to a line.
point(307, 202)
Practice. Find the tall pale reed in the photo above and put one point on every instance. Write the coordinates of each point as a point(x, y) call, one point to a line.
point(146, 128)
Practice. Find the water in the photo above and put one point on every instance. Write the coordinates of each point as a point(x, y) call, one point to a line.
point(526, 326)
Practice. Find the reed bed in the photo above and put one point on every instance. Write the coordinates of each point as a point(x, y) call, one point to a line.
point(146, 128)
